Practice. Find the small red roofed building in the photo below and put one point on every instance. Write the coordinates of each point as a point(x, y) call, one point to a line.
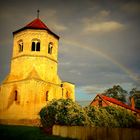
point(102, 101)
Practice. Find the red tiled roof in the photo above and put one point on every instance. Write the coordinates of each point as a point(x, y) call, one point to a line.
point(117, 102)
point(36, 24)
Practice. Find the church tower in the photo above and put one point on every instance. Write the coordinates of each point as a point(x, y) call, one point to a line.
point(33, 80)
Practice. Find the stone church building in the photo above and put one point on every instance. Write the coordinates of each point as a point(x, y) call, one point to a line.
point(33, 80)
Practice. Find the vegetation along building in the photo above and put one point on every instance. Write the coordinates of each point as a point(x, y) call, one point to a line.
point(33, 79)
point(102, 101)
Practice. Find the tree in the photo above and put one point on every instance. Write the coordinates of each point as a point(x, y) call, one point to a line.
point(136, 94)
point(116, 92)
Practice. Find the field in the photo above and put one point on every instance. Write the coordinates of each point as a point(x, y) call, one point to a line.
point(8, 132)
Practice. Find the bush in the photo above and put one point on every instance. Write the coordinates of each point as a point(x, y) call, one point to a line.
point(123, 117)
point(63, 112)
point(100, 117)
point(67, 112)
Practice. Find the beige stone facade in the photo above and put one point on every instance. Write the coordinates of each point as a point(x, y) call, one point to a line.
point(33, 80)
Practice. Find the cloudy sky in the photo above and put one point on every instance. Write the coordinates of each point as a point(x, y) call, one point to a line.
point(99, 40)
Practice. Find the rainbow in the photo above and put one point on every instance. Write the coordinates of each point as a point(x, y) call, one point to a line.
point(106, 56)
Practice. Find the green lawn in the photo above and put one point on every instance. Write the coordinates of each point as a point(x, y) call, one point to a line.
point(8, 132)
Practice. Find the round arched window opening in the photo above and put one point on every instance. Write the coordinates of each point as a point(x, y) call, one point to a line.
point(20, 46)
point(35, 45)
point(50, 48)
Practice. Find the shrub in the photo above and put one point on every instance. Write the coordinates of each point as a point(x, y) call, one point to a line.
point(67, 112)
point(123, 117)
point(63, 112)
point(100, 117)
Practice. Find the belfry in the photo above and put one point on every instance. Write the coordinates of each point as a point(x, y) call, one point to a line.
point(33, 80)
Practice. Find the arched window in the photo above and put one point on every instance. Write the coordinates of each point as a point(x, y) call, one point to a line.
point(35, 45)
point(47, 96)
point(38, 46)
point(20, 45)
point(50, 47)
point(16, 95)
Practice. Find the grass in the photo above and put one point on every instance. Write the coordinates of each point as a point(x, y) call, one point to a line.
point(10, 132)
